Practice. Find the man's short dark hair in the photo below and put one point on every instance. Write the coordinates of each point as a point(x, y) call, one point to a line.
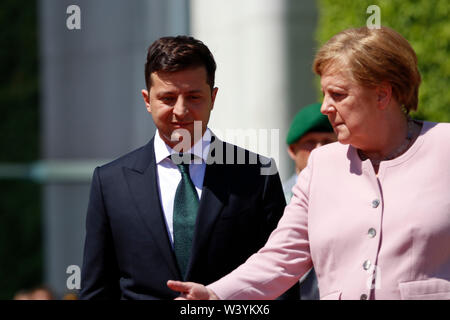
point(172, 54)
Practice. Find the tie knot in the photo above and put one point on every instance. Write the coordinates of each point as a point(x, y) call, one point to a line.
point(182, 161)
point(184, 167)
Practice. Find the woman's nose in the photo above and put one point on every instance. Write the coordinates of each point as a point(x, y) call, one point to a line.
point(326, 107)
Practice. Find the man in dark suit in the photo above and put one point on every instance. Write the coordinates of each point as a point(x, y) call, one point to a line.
point(186, 206)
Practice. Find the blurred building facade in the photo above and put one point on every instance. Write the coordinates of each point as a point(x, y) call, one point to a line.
point(91, 79)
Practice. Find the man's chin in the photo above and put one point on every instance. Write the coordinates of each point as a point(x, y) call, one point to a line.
point(181, 140)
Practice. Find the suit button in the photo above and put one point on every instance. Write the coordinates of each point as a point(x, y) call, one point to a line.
point(366, 265)
point(363, 296)
point(375, 203)
point(372, 232)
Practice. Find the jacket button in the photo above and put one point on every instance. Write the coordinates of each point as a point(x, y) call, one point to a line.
point(372, 232)
point(363, 297)
point(375, 203)
point(366, 265)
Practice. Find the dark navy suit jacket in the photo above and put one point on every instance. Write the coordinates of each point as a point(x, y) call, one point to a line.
point(128, 253)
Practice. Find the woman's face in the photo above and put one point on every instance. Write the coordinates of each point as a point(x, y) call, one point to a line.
point(350, 108)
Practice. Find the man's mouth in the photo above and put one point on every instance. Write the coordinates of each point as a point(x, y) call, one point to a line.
point(181, 124)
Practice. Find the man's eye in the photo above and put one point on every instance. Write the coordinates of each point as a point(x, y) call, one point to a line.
point(167, 99)
point(308, 145)
point(194, 97)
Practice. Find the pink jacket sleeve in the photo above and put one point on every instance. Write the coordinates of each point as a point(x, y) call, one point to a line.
point(284, 258)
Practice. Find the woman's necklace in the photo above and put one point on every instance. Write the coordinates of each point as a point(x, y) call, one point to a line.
point(402, 148)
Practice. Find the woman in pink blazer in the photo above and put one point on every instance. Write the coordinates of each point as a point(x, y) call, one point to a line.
point(371, 212)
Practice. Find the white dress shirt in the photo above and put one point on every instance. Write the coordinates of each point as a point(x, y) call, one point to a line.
point(169, 176)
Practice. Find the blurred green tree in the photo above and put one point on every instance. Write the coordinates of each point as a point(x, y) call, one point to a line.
point(20, 207)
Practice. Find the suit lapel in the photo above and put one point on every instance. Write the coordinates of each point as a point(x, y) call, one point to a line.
point(142, 181)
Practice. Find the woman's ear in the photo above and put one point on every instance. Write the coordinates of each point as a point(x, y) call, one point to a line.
point(384, 94)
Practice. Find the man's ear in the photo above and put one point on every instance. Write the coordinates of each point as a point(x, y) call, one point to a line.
point(213, 97)
point(384, 94)
point(291, 152)
point(145, 95)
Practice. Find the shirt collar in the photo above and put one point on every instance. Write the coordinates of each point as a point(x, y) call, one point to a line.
point(200, 148)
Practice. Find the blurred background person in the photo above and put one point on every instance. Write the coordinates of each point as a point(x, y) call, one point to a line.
point(310, 129)
point(41, 292)
point(22, 295)
point(70, 296)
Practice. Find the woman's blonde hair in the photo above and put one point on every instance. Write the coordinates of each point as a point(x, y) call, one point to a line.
point(373, 56)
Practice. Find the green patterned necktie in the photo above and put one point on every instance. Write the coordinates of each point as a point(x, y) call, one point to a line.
point(184, 214)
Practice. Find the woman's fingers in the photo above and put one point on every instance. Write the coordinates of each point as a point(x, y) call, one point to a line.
point(190, 290)
point(179, 286)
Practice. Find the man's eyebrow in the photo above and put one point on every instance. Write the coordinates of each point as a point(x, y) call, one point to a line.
point(169, 92)
point(163, 93)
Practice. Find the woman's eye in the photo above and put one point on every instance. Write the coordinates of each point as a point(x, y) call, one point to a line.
point(337, 95)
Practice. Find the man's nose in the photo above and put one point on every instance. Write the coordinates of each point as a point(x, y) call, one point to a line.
point(180, 109)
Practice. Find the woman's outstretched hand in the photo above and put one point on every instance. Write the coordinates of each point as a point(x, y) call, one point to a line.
point(192, 291)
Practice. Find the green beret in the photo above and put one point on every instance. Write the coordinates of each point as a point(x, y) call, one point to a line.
point(308, 119)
